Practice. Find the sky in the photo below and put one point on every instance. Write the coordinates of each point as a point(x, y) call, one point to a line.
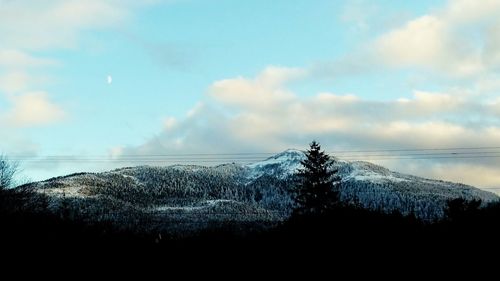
point(221, 76)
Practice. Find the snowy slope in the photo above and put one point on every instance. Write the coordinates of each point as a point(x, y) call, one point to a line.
point(280, 165)
point(378, 188)
point(261, 191)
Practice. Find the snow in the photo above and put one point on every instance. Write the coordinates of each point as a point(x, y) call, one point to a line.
point(286, 163)
point(374, 177)
point(373, 186)
point(69, 190)
point(182, 208)
point(212, 203)
point(204, 205)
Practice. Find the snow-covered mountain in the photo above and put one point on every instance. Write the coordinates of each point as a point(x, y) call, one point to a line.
point(281, 165)
point(375, 187)
point(259, 192)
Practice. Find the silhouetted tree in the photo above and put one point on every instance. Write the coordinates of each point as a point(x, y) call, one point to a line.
point(318, 182)
point(64, 207)
point(459, 209)
point(7, 171)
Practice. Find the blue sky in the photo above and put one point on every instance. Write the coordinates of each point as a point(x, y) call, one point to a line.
point(218, 76)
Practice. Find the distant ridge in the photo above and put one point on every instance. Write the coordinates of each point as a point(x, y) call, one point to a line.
point(195, 196)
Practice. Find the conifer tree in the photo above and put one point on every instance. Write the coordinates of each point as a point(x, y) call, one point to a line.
point(318, 183)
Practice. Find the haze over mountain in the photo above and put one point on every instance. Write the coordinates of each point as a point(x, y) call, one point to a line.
point(180, 198)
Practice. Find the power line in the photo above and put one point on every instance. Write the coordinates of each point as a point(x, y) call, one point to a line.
point(153, 157)
point(215, 160)
point(418, 149)
point(162, 155)
point(187, 161)
point(241, 154)
point(423, 154)
point(383, 154)
point(433, 157)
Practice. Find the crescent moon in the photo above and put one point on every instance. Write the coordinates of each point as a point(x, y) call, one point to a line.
point(110, 79)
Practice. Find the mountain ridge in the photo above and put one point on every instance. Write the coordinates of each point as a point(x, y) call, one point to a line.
point(260, 191)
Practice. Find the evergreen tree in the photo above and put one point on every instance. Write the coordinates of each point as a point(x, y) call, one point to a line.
point(318, 183)
point(64, 207)
point(459, 209)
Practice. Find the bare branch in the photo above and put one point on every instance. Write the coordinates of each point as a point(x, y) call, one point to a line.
point(8, 170)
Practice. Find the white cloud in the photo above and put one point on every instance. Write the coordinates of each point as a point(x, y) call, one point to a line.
point(28, 29)
point(263, 92)
point(421, 41)
point(32, 109)
point(491, 49)
point(466, 11)
point(170, 123)
point(15, 59)
point(471, 172)
point(14, 82)
point(115, 152)
point(460, 40)
point(30, 26)
point(247, 115)
point(55, 23)
point(27, 26)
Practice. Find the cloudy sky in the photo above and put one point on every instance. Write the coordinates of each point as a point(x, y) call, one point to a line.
point(223, 76)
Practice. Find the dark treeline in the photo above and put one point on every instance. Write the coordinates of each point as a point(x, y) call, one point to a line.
point(24, 225)
point(330, 226)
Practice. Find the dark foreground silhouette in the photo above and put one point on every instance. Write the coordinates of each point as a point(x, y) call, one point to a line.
point(344, 231)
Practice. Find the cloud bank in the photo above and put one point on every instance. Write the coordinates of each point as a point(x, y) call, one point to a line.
point(262, 114)
point(460, 40)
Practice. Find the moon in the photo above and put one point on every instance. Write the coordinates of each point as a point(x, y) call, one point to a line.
point(110, 79)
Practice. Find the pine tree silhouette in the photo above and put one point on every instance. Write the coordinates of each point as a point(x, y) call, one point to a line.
point(318, 183)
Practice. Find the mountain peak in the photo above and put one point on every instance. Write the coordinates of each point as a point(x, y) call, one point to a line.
point(265, 185)
point(284, 163)
point(289, 153)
